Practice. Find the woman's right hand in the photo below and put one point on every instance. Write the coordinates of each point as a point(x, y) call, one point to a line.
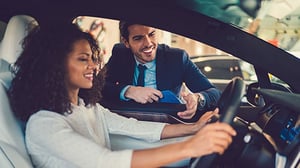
point(212, 138)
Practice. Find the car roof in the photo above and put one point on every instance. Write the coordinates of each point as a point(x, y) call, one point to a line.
point(166, 15)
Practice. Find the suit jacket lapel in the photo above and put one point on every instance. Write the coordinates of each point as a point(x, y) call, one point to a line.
point(160, 70)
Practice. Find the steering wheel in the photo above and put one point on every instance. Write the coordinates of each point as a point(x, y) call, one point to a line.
point(227, 104)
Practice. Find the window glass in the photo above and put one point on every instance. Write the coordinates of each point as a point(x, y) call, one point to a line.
point(221, 69)
point(106, 31)
point(274, 21)
point(275, 79)
point(247, 71)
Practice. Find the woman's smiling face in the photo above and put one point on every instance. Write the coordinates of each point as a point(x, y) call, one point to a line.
point(80, 66)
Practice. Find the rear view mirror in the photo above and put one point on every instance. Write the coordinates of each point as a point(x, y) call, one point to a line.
point(251, 7)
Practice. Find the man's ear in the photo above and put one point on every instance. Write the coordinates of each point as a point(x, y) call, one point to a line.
point(125, 42)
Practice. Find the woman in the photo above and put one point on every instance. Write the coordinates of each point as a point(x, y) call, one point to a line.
point(56, 90)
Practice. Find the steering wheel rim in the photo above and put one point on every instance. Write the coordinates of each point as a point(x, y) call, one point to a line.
point(228, 105)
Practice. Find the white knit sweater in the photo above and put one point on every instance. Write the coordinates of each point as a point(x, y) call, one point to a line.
point(81, 139)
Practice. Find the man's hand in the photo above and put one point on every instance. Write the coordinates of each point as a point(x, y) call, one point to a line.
point(143, 94)
point(191, 105)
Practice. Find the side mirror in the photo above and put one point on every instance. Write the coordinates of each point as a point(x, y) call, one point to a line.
point(253, 97)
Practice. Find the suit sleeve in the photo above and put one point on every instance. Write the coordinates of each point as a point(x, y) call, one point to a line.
point(119, 72)
point(197, 82)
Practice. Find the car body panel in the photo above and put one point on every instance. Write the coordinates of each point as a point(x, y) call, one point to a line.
point(167, 15)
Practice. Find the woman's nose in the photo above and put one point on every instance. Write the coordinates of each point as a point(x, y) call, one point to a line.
point(95, 67)
point(92, 65)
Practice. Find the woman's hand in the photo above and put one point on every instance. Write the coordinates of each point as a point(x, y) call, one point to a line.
point(205, 118)
point(212, 138)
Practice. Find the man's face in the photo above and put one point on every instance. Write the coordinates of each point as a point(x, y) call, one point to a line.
point(142, 42)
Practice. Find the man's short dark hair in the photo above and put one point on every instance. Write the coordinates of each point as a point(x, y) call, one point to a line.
point(123, 26)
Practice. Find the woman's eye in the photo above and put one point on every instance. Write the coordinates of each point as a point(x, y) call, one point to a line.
point(83, 59)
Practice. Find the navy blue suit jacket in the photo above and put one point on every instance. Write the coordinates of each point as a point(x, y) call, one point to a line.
point(173, 67)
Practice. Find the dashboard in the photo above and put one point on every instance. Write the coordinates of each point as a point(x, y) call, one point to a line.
point(280, 122)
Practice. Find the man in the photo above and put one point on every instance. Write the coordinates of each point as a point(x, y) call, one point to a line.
point(166, 71)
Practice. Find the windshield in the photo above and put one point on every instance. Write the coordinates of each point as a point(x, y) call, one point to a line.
point(275, 21)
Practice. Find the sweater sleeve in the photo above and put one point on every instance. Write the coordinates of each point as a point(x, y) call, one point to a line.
point(52, 142)
point(148, 131)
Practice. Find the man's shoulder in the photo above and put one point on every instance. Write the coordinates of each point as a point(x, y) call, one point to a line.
point(167, 48)
point(120, 48)
point(169, 51)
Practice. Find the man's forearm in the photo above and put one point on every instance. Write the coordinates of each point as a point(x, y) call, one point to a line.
point(212, 96)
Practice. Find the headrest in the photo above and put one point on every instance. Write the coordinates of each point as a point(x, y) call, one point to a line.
point(17, 28)
point(4, 66)
point(5, 79)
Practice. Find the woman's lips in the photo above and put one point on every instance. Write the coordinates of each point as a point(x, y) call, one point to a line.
point(89, 76)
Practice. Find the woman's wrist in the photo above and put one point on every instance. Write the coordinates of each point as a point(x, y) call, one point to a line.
point(196, 127)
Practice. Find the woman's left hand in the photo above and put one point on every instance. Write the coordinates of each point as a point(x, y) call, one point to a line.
point(207, 117)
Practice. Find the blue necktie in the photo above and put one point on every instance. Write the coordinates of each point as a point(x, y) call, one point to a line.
point(141, 77)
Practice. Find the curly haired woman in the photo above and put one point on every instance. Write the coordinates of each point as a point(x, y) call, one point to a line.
point(55, 91)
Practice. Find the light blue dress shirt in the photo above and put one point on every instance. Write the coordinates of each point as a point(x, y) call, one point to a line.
point(150, 77)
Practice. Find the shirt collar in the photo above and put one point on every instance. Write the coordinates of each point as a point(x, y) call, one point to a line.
point(148, 64)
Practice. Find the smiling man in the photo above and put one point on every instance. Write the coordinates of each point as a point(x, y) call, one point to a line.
point(163, 72)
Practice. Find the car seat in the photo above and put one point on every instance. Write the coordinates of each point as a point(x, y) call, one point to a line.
point(11, 44)
point(13, 151)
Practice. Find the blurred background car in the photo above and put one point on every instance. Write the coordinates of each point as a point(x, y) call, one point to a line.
point(220, 69)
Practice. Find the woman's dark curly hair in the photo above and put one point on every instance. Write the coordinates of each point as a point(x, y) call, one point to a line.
point(40, 71)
